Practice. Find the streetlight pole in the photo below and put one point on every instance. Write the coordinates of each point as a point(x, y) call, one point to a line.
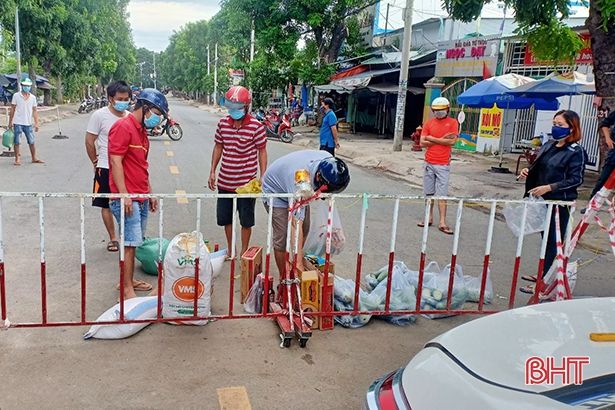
point(400, 112)
point(216, 75)
point(155, 84)
point(18, 48)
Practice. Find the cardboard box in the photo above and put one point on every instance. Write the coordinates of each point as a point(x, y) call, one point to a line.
point(310, 290)
point(326, 301)
point(251, 265)
point(311, 266)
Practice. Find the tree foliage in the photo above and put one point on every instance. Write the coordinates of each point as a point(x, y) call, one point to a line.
point(75, 40)
point(325, 28)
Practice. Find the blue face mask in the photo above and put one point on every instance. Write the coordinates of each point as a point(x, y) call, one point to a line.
point(559, 133)
point(121, 105)
point(26, 88)
point(236, 114)
point(152, 121)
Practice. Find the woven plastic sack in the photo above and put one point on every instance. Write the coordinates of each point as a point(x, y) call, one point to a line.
point(148, 253)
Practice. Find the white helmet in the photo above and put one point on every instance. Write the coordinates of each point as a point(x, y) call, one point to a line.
point(440, 103)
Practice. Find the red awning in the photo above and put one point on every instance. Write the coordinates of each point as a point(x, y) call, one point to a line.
point(350, 72)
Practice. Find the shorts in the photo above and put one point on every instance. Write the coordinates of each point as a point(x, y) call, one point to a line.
point(245, 207)
point(101, 186)
point(435, 179)
point(27, 130)
point(330, 150)
point(135, 223)
point(280, 226)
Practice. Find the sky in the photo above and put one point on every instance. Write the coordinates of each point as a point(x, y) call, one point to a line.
point(153, 21)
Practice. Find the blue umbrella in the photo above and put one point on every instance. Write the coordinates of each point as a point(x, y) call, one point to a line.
point(495, 90)
point(556, 85)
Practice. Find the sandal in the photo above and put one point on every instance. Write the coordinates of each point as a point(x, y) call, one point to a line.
point(529, 289)
point(139, 286)
point(113, 246)
point(446, 230)
point(529, 278)
point(422, 224)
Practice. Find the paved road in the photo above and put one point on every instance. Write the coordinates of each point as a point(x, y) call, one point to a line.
point(166, 366)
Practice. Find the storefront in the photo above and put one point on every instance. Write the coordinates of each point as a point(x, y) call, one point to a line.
point(527, 124)
point(459, 65)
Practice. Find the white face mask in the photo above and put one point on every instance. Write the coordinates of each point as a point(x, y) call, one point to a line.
point(440, 114)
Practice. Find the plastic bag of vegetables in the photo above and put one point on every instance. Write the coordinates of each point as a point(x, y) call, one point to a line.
point(343, 291)
point(434, 293)
point(472, 284)
point(436, 299)
point(316, 241)
point(373, 279)
point(403, 297)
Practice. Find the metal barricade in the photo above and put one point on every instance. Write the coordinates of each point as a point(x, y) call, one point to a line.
point(293, 309)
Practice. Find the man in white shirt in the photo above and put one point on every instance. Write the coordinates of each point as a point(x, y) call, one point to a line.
point(96, 145)
point(21, 118)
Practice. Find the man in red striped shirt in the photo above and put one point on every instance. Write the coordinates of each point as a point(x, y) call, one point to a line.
point(241, 144)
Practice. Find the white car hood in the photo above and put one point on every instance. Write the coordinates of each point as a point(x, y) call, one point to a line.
point(496, 347)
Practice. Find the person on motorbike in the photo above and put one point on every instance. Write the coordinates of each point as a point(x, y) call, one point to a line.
point(241, 149)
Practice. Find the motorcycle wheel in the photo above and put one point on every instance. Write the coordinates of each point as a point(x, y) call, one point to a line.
point(287, 136)
point(80, 110)
point(175, 132)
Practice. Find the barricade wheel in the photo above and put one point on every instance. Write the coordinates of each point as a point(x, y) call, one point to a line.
point(303, 342)
point(286, 342)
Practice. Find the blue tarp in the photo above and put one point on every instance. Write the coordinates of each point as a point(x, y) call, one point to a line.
point(493, 91)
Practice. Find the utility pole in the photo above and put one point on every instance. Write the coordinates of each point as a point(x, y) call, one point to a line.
point(400, 113)
point(252, 35)
point(208, 61)
point(18, 48)
point(386, 27)
point(216, 75)
point(155, 83)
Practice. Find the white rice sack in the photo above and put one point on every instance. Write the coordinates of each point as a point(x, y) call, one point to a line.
point(217, 262)
point(134, 309)
point(179, 286)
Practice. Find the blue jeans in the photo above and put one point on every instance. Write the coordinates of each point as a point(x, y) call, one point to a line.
point(135, 223)
point(26, 129)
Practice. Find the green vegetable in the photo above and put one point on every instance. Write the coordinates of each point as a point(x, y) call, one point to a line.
point(382, 275)
point(437, 295)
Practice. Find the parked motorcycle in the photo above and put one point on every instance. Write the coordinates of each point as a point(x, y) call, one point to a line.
point(87, 105)
point(277, 125)
point(170, 126)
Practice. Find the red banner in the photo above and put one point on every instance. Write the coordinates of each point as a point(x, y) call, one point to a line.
point(584, 56)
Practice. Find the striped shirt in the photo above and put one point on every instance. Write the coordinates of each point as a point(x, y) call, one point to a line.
point(239, 151)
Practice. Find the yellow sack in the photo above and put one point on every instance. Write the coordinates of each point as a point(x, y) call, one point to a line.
point(252, 187)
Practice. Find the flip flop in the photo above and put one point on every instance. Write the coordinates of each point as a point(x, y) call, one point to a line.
point(445, 229)
point(139, 286)
point(529, 289)
point(38, 161)
point(529, 278)
point(113, 246)
point(17, 163)
point(422, 224)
